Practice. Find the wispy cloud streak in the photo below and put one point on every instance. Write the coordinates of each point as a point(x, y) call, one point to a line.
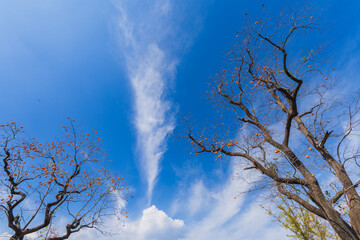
point(153, 117)
point(150, 69)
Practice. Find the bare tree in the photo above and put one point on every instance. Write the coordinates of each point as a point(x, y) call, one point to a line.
point(52, 190)
point(289, 125)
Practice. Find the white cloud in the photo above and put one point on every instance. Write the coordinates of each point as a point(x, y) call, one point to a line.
point(5, 235)
point(153, 224)
point(215, 213)
point(152, 120)
point(198, 198)
point(221, 207)
point(252, 223)
point(150, 70)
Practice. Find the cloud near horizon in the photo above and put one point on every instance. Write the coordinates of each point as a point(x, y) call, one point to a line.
point(154, 224)
point(208, 214)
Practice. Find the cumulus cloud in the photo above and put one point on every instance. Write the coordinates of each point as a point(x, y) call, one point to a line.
point(213, 213)
point(153, 224)
point(208, 213)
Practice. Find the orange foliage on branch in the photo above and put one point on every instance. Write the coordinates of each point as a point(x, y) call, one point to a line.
point(284, 123)
point(44, 181)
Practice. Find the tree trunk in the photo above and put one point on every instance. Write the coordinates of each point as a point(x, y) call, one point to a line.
point(355, 214)
point(16, 237)
point(353, 196)
point(341, 227)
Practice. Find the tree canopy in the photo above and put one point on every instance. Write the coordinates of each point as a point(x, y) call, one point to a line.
point(55, 189)
point(287, 123)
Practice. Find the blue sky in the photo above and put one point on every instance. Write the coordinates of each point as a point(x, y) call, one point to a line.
point(131, 70)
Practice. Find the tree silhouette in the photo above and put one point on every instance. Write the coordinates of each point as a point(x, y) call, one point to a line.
point(52, 190)
point(287, 123)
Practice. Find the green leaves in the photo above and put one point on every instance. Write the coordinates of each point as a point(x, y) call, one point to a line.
point(303, 224)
